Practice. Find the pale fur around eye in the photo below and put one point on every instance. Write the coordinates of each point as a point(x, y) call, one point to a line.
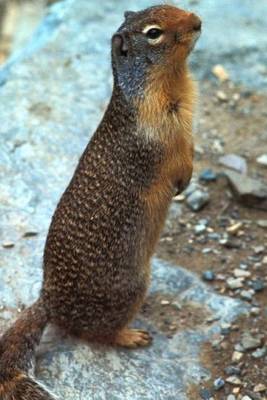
point(156, 28)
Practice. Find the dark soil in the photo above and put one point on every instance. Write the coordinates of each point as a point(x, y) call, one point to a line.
point(239, 127)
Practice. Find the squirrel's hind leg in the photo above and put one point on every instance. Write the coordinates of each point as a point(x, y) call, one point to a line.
point(132, 338)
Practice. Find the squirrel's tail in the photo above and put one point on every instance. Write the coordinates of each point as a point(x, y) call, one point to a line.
point(17, 347)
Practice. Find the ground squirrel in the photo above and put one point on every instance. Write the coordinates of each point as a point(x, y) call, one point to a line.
point(107, 223)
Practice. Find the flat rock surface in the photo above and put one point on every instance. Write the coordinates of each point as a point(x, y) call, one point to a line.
point(52, 96)
point(162, 371)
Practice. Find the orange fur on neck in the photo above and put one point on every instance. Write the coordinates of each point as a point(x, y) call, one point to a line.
point(165, 115)
point(161, 122)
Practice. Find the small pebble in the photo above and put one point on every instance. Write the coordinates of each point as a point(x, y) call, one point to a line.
point(235, 162)
point(240, 273)
point(253, 395)
point(259, 353)
point(233, 380)
point(231, 397)
point(205, 394)
point(239, 347)
point(208, 276)
point(237, 355)
point(30, 234)
point(233, 283)
point(262, 223)
point(233, 229)
point(249, 342)
point(164, 302)
point(259, 388)
point(220, 72)
point(207, 250)
point(221, 95)
point(214, 236)
point(200, 228)
point(255, 311)
point(247, 294)
point(236, 96)
point(262, 160)
point(258, 249)
point(236, 390)
point(258, 285)
point(8, 244)
point(218, 383)
point(197, 200)
point(225, 328)
point(179, 197)
point(208, 175)
point(229, 243)
point(232, 370)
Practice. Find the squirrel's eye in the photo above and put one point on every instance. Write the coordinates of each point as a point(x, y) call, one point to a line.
point(154, 33)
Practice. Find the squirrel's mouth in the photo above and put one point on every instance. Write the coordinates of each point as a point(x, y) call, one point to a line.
point(190, 36)
point(188, 39)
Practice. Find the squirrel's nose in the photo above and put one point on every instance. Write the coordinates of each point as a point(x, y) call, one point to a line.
point(119, 44)
point(196, 22)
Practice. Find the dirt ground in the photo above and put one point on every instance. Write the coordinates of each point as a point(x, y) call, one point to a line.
point(236, 125)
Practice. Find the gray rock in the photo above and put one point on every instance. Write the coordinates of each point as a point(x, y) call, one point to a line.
point(252, 396)
point(8, 244)
point(259, 353)
point(233, 380)
point(208, 175)
point(208, 276)
point(248, 191)
point(259, 249)
point(249, 342)
point(218, 383)
point(235, 162)
point(232, 370)
point(239, 348)
point(258, 285)
point(235, 283)
point(262, 160)
point(197, 200)
point(205, 394)
point(262, 223)
point(230, 242)
point(247, 294)
point(199, 229)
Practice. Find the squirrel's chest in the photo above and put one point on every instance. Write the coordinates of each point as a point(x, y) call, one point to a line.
point(175, 168)
point(174, 135)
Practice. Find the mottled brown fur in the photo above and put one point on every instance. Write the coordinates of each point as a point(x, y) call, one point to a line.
point(107, 223)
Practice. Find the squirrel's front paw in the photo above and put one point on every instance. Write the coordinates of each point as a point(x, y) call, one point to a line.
point(132, 338)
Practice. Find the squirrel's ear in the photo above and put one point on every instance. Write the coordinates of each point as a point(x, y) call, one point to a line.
point(129, 14)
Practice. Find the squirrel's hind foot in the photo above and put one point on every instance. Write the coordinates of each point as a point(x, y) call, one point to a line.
point(132, 338)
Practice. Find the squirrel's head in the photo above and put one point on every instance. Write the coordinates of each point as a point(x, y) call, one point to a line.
point(156, 39)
